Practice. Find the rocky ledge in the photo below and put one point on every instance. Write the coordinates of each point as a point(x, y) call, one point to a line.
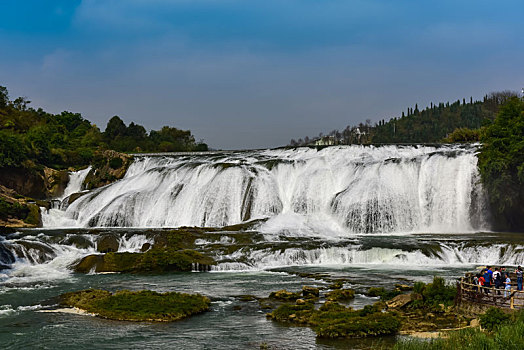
point(136, 306)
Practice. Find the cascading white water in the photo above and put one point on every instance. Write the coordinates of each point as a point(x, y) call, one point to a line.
point(346, 189)
point(46, 258)
point(76, 179)
point(447, 255)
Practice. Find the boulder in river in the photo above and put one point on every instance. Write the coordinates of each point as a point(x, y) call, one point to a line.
point(107, 243)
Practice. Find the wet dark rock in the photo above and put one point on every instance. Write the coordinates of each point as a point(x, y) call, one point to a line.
point(145, 247)
point(74, 196)
point(107, 243)
point(247, 297)
point(6, 257)
point(78, 241)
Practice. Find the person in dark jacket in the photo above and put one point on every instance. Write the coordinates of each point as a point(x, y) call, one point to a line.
point(518, 272)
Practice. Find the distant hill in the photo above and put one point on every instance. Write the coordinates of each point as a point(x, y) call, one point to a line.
point(433, 124)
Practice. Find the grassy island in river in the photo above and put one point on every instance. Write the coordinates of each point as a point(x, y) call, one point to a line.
point(143, 305)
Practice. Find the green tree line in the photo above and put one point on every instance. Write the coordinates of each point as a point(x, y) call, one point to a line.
point(435, 123)
point(30, 137)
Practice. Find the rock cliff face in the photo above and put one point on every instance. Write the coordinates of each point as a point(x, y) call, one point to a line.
point(18, 211)
point(26, 182)
point(23, 190)
point(108, 166)
point(38, 184)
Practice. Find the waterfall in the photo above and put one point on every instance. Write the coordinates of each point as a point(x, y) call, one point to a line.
point(76, 179)
point(336, 190)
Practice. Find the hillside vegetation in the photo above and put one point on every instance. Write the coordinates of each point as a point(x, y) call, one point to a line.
point(33, 137)
point(443, 122)
point(501, 164)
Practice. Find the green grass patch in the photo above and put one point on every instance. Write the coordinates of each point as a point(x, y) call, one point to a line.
point(508, 334)
point(137, 306)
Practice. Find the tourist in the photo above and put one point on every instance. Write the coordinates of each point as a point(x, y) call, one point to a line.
point(487, 279)
point(476, 281)
point(482, 281)
point(498, 280)
point(518, 272)
point(508, 287)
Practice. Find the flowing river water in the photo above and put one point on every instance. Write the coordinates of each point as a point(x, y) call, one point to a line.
point(375, 216)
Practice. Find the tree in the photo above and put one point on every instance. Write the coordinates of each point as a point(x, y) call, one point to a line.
point(501, 164)
point(4, 97)
point(115, 127)
point(12, 149)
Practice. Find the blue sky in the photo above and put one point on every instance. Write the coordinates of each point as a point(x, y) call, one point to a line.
point(252, 74)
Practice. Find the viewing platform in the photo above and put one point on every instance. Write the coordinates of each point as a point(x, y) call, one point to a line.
point(468, 292)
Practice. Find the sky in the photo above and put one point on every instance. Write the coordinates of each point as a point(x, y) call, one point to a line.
point(244, 74)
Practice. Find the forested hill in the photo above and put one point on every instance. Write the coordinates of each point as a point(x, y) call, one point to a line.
point(32, 137)
point(432, 124)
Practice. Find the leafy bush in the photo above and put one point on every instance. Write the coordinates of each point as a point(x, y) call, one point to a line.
point(463, 135)
point(12, 149)
point(116, 163)
point(493, 318)
point(383, 293)
point(333, 320)
point(15, 210)
point(438, 292)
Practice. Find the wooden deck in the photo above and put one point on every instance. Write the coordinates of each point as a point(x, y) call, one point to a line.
point(467, 291)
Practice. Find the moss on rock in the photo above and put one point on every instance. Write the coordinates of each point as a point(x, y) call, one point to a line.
point(341, 295)
point(333, 320)
point(154, 260)
point(18, 211)
point(284, 295)
point(137, 306)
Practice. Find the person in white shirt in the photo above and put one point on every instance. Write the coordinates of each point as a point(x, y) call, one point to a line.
point(508, 286)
